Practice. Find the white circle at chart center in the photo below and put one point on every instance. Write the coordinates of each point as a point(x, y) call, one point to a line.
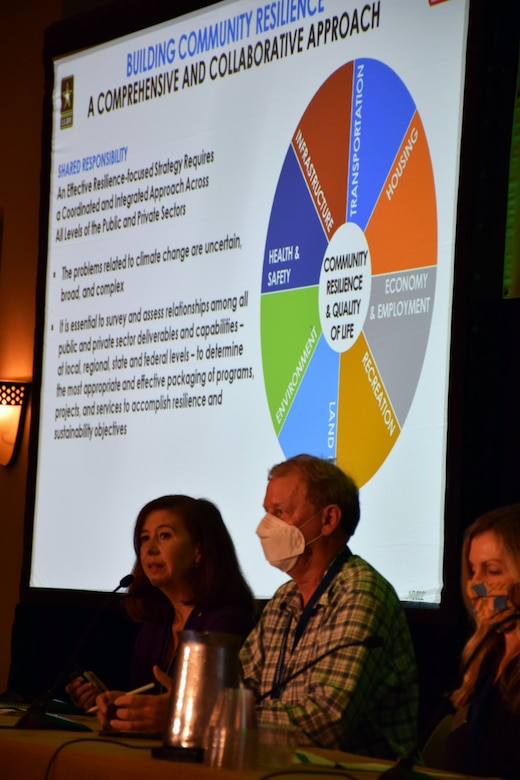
point(344, 290)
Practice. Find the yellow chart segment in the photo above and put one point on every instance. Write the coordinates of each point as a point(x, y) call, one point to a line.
point(367, 425)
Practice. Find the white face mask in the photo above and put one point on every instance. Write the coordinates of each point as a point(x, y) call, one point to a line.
point(283, 543)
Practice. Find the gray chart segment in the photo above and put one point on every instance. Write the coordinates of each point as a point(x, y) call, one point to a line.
point(397, 328)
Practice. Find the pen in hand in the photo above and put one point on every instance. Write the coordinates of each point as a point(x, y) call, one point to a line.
point(142, 689)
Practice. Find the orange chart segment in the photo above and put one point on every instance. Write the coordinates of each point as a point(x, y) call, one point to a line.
point(320, 143)
point(402, 232)
point(367, 425)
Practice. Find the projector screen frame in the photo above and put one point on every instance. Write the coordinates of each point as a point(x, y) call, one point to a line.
point(102, 25)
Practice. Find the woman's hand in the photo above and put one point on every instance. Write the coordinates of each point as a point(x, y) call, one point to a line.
point(82, 693)
point(136, 712)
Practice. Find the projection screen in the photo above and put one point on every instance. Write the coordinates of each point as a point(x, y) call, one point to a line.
point(250, 254)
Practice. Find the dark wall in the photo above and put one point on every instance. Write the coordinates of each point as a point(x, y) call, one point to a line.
point(48, 640)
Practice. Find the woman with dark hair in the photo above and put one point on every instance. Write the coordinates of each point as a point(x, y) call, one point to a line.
point(203, 589)
point(484, 737)
point(186, 576)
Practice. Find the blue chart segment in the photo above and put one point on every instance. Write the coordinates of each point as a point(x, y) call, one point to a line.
point(349, 271)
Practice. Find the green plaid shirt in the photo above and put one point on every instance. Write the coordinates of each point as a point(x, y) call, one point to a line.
point(362, 700)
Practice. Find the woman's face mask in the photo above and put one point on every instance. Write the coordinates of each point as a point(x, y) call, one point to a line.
point(283, 543)
point(491, 578)
point(489, 601)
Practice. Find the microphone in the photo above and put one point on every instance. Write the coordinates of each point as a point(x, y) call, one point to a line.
point(125, 582)
point(369, 642)
point(35, 716)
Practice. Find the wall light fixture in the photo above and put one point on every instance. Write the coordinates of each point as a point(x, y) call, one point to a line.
point(13, 401)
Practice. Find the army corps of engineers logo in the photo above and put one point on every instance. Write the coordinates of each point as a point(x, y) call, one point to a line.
point(67, 102)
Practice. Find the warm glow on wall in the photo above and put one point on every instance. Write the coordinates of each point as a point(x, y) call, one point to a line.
point(13, 396)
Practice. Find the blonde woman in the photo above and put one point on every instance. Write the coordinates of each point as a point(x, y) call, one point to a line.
point(485, 737)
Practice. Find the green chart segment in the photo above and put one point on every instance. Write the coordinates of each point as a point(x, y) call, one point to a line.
point(349, 271)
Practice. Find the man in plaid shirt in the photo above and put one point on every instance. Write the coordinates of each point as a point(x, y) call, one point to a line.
point(332, 652)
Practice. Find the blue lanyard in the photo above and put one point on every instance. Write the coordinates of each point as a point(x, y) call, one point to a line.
point(325, 581)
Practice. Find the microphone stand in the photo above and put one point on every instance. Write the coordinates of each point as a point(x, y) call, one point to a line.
point(36, 716)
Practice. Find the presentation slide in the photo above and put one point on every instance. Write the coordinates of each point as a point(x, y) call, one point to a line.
point(250, 255)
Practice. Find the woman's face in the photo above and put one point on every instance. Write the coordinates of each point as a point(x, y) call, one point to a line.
point(489, 577)
point(167, 552)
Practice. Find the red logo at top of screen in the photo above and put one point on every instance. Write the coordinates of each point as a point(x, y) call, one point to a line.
point(436, 2)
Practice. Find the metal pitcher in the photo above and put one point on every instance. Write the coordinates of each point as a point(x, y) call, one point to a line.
point(205, 664)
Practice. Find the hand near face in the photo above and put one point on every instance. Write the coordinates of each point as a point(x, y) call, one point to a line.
point(135, 712)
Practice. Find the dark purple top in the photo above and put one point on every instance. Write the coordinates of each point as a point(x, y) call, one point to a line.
point(486, 743)
point(152, 640)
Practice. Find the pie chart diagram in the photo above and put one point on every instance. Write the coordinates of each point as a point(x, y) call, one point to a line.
point(349, 271)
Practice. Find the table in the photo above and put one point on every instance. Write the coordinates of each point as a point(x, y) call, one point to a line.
point(27, 754)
